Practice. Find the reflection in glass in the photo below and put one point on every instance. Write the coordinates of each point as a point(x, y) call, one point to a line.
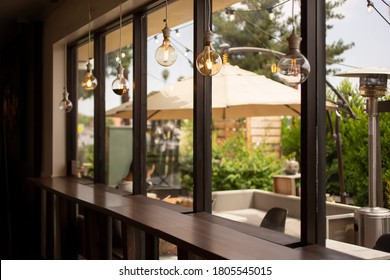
point(119, 130)
point(85, 118)
point(65, 104)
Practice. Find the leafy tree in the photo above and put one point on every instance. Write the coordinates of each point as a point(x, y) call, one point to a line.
point(252, 27)
point(354, 133)
point(334, 50)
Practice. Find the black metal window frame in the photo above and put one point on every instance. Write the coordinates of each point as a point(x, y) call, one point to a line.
point(313, 114)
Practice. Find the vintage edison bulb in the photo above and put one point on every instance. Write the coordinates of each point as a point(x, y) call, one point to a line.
point(120, 85)
point(166, 54)
point(208, 62)
point(293, 68)
point(89, 82)
point(65, 104)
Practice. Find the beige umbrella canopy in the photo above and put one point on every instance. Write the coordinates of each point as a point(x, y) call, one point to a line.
point(236, 93)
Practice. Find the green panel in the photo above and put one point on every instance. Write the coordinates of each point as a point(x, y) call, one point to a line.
point(119, 153)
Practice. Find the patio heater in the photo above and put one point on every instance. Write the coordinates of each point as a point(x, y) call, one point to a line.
point(372, 221)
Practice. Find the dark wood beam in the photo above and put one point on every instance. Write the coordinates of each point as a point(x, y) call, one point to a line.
point(139, 102)
point(313, 126)
point(202, 119)
point(100, 110)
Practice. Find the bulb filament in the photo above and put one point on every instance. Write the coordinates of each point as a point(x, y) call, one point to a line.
point(294, 68)
point(209, 63)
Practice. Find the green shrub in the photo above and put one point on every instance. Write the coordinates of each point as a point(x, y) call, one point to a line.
point(291, 137)
point(237, 166)
point(354, 134)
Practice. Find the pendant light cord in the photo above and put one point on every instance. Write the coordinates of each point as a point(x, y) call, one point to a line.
point(65, 50)
point(166, 12)
point(208, 11)
point(293, 18)
point(120, 32)
point(89, 28)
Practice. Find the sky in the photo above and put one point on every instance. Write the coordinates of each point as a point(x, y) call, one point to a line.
point(369, 32)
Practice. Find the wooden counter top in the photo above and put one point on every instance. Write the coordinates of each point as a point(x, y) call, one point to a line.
point(211, 241)
point(198, 233)
point(263, 233)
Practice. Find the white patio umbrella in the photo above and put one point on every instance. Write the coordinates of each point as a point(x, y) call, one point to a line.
point(236, 93)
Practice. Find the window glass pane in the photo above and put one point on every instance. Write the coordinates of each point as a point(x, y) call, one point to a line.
point(250, 149)
point(119, 129)
point(170, 95)
point(85, 114)
point(170, 109)
point(349, 184)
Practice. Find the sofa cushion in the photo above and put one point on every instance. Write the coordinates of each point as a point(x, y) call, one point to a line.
point(232, 200)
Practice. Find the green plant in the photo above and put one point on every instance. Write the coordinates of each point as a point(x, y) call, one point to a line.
point(186, 155)
point(234, 165)
point(387, 194)
point(237, 166)
point(291, 137)
point(354, 135)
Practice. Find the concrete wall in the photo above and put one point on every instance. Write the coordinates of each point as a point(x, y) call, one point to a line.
point(264, 200)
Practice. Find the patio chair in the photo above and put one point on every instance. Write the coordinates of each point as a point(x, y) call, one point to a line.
point(383, 243)
point(275, 219)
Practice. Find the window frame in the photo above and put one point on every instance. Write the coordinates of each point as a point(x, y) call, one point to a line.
point(313, 114)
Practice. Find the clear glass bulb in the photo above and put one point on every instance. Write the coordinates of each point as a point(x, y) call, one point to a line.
point(89, 82)
point(293, 68)
point(65, 104)
point(166, 54)
point(369, 7)
point(271, 15)
point(208, 62)
point(120, 85)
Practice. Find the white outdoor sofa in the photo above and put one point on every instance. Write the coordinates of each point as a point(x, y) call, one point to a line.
point(250, 206)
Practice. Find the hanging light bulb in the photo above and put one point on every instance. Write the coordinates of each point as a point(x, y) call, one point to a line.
point(166, 54)
point(65, 104)
point(120, 85)
point(274, 68)
point(369, 6)
point(89, 82)
point(293, 68)
point(230, 13)
point(271, 15)
point(208, 62)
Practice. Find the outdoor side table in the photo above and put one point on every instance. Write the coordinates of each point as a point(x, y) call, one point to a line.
point(286, 184)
